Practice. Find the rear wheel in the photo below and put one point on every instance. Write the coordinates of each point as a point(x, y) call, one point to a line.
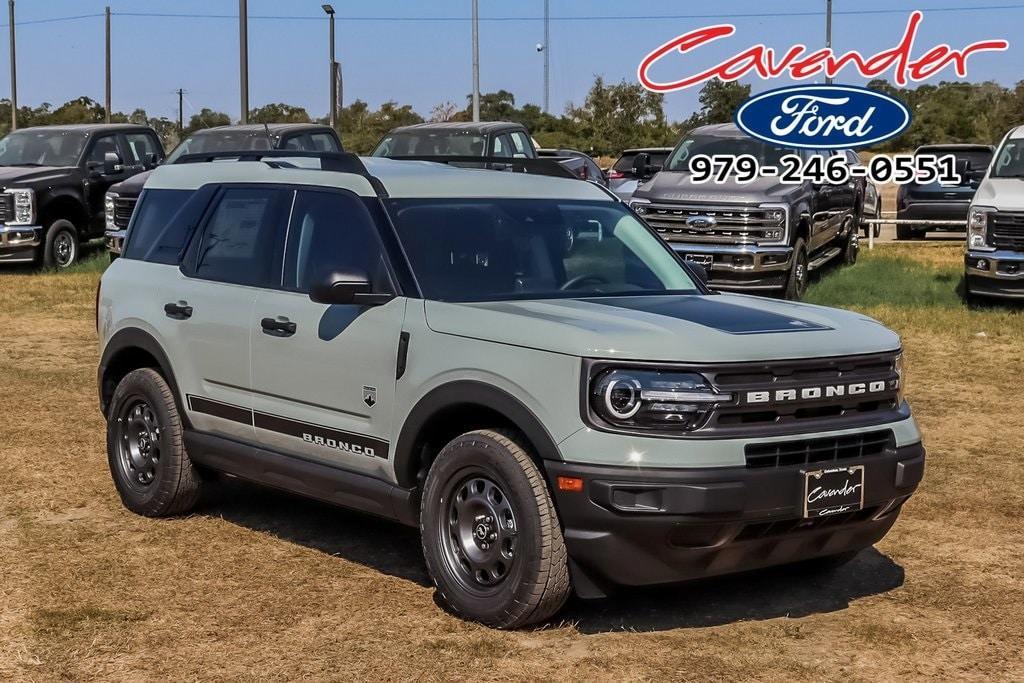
point(908, 232)
point(852, 248)
point(60, 249)
point(796, 283)
point(491, 536)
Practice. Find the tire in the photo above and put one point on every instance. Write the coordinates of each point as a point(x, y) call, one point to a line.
point(61, 247)
point(796, 282)
point(145, 449)
point(491, 536)
point(908, 232)
point(852, 248)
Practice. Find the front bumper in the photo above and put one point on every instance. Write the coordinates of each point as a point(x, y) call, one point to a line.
point(19, 243)
point(642, 526)
point(745, 267)
point(937, 211)
point(114, 239)
point(1001, 276)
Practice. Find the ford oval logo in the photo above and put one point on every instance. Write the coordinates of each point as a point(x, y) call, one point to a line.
point(823, 116)
point(701, 222)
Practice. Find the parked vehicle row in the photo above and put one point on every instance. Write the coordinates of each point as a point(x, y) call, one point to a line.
point(938, 201)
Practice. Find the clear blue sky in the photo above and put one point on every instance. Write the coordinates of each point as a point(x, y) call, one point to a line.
point(387, 54)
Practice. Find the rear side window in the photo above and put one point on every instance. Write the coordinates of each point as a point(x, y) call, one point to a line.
point(324, 142)
point(143, 147)
point(243, 238)
point(158, 233)
point(331, 231)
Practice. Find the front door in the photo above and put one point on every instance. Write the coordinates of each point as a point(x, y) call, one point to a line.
point(323, 376)
point(96, 181)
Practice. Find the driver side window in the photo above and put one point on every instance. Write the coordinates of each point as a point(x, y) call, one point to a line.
point(101, 146)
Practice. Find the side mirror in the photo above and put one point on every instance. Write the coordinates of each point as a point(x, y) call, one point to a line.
point(346, 287)
point(111, 163)
point(641, 165)
point(154, 159)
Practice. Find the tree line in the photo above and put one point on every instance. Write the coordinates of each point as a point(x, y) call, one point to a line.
point(612, 117)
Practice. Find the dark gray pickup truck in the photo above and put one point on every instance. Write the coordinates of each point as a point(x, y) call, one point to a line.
point(765, 236)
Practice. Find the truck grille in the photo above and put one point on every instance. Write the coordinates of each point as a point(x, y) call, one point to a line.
point(1006, 230)
point(787, 417)
point(824, 450)
point(6, 207)
point(123, 208)
point(725, 225)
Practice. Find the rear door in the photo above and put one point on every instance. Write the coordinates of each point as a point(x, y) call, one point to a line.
point(324, 375)
point(237, 250)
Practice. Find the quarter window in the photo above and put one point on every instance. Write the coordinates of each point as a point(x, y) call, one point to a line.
point(243, 237)
point(143, 147)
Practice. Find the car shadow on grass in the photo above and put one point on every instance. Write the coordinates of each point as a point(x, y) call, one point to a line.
point(387, 547)
point(792, 591)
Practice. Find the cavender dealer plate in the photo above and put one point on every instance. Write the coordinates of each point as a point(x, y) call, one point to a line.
point(833, 491)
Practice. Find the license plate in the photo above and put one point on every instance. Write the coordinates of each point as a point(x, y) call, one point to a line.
point(833, 491)
point(701, 259)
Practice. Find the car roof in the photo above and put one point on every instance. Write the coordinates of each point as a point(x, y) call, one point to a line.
point(401, 179)
point(720, 129)
point(955, 146)
point(1017, 133)
point(479, 127)
point(90, 127)
point(638, 150)
point(257, 128)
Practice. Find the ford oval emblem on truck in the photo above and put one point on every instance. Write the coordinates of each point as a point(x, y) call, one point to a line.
point(823, 116)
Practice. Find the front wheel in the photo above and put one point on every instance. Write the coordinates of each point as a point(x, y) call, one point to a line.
point(60, 249)
point(852, 248)
point(796, 283)
point(491, 536)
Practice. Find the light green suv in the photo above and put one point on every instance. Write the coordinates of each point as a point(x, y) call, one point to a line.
point(515, 363)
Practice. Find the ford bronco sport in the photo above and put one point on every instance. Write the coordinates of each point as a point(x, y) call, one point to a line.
point(762, 237)
point(422, 343)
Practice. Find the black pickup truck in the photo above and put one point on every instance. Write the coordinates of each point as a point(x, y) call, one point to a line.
point(765, 236)
point(53, 181)
point(306, 137)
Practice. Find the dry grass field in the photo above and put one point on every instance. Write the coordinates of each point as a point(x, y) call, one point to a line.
point(258, 585)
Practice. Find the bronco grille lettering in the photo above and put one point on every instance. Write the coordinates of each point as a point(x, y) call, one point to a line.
point(818, 392)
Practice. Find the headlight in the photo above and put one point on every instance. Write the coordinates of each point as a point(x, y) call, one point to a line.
point(898, 366)
point(977, 227)
point(653, 399)
point(776, 216)
point(639, 205)
point(108, 210)
point(24, 201)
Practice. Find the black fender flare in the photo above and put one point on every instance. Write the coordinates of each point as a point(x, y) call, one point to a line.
point(134, 338)
point(470, 393)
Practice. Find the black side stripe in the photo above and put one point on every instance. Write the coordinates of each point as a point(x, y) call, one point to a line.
point(317, 435)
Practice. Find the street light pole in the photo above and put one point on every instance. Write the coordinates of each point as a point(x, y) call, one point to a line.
point(828, 33)
point(14, 68)
point(331, 71)
point(547, 57)
point(476, 61)
point(243, 58)
point(107, 74)
point(181, 112)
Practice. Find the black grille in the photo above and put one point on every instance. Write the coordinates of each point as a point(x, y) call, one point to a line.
point(785, 527)
point(6, 207)
point(1006, 230)
point(123, 207)
point(728, 225)
point(823, 450)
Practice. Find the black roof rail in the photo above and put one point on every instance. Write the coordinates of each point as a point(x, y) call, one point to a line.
point(547, 167)
point(341, 162)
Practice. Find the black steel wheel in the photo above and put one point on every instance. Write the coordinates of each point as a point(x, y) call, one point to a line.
point(145, 449)
point(799, 272)
point(60, 248)
point(491, 537)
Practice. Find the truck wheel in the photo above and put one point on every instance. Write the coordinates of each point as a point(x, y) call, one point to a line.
point(908, 232)
point(852, 248)
point(145, 451)
point(60, 249)
point(491, 535)
point(796, 283)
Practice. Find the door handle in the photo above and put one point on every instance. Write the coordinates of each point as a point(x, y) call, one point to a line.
point(278, 328)
point(178, 311)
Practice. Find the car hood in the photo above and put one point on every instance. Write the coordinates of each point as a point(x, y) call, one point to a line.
point(1005, 194)
point(676, 186)
point(17, 175)
point(131, 187)
point(692, 328)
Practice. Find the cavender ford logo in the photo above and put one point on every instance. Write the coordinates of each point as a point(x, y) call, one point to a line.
point(701, 222)
point(824, 391)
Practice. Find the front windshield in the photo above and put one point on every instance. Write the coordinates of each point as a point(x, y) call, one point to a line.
point(431, 143)
point(222, 141)
point(766, 153)
point(1010, 160)
point(503, 249)
point(41, 147)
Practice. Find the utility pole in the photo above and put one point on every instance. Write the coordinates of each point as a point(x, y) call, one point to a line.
point(181, 112)
point(547, 57)
point(107, 101)
point(476, 60)
point(14, 68)
point(828, 32)
point(243, 58)
point(333, 68)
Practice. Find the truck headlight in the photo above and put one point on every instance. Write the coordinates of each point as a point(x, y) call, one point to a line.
point(898, 366)
point(108, 210)
point(640, 206)
point(977, 227)
point(24, 206)
point(775, 218)
point(653, 399)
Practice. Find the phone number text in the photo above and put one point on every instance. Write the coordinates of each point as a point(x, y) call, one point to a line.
point(901, 169)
